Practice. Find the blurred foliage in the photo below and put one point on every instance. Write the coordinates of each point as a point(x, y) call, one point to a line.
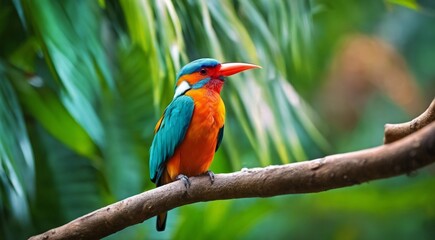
point(82, 84)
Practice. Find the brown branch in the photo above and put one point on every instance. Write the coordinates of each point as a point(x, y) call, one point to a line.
point(401, 157)
point(394, 132)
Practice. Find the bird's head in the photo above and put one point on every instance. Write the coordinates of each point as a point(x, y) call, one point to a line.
point(207, 72)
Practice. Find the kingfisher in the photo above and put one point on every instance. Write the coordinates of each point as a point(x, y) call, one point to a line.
point(191, 128)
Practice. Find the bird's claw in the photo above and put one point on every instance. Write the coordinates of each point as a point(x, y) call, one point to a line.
point(184, 179)
point(210, 175)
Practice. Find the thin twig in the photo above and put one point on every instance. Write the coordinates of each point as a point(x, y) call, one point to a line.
point(394, 132)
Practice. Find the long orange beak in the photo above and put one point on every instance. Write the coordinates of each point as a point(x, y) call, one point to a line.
point(228, 69)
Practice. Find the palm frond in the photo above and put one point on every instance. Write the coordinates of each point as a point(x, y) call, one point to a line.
point(17, 170)
point(106, 70)
point(75, 56)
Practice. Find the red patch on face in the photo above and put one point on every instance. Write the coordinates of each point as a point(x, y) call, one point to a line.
point(215, 84)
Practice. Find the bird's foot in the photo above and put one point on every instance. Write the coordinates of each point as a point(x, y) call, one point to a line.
point(210, 175)
point(184, 179)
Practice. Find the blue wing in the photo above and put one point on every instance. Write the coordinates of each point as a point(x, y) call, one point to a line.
point(169, 134)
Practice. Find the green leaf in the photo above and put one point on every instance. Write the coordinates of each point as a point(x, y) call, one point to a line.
point(46, 107)
point(412, 4)
point(17, 171)
point(69, 36)
point(75, 180)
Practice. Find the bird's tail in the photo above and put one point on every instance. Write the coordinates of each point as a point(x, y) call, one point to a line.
point(161, 221)
point(161, 218)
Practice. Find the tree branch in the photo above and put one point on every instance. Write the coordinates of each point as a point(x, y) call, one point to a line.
point(401, 157)
point(394, 132)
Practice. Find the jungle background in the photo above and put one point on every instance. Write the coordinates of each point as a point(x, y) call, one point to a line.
point(82, 84)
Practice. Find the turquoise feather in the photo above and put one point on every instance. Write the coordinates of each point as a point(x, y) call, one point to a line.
point(173, 128)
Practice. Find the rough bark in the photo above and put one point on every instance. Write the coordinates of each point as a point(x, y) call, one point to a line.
point(400, 157)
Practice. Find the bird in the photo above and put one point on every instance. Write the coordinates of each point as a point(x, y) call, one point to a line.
point(191, 127)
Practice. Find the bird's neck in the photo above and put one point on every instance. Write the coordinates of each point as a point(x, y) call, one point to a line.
point(215, 85)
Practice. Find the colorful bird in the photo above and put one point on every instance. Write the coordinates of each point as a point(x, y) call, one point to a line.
point(192, 126)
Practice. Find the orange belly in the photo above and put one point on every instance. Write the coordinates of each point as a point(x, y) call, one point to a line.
point(195, 154)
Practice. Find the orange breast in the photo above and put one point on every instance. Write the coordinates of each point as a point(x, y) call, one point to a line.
point(195, 154)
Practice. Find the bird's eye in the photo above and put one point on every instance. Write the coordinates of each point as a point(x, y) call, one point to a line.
point(203, 71)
